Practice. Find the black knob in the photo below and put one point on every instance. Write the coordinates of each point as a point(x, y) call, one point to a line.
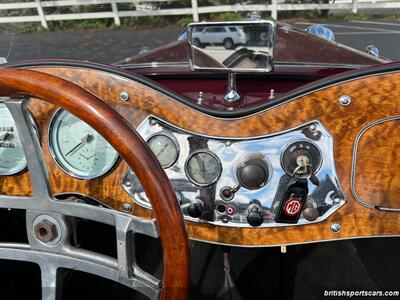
point(255, 217)
point(311, 214)
point(195, 209)
point(252, 173)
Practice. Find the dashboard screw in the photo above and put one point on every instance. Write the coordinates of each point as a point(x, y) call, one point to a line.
point(128, 183)
point(345, 100)
point(228, 143)
point(336, 228)
point(336, 200)
point(313, 127)
point(153, 122)
point(124, 96)
point(127, 207)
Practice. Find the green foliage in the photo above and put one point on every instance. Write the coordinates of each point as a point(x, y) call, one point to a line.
point(152, 21)
point(82, 24)
point(185, 21)
point(226, 16)
point(355, 17)
point(31, 28)
point(304, 14)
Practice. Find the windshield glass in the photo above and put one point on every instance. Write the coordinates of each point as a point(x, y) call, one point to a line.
point(153, 32)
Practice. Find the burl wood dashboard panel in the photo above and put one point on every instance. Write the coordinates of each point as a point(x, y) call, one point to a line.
point(373, 98)
point(377, 180)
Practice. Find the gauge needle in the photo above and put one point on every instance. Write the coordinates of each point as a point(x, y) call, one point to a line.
point(83, 141)
point(162, 150)
point(203, 169)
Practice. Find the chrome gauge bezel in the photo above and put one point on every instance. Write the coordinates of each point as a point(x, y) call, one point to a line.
point(24, 168)
point(192, 180)
point(174, 141)
point(299, 141)
point(64, 168)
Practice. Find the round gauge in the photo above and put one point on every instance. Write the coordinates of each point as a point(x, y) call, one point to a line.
point(203, 168)
point(12, 156)
point(78, 149)
point(301, 153)
point(165, 148)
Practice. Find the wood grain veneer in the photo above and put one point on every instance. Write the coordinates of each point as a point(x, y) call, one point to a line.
point(377, 179)
point(373, 98)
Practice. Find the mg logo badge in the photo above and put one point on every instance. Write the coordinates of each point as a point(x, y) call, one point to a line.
point(292, 207)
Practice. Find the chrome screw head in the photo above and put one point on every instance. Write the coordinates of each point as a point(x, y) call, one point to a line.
point(345, 100)
point(336, 200)
point(128, 183)
point(127, 207)
point(336, 228)
point(124, 96)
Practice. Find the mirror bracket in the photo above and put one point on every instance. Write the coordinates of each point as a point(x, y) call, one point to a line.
point(232, 95)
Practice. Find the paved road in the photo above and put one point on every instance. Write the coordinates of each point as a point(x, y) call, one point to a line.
point(106, 46)
point(112, 45)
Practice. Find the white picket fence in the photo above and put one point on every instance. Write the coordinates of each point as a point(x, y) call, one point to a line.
point(149, 8)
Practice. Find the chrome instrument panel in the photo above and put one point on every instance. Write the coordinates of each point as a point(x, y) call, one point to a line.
point(327, 198)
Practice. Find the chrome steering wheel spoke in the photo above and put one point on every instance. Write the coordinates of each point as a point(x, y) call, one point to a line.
point(55, 252)
point(33, 152)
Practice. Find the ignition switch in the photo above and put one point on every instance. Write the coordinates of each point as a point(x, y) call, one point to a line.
point(302, 159)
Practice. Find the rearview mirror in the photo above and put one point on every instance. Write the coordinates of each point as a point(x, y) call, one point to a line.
point(232, 47)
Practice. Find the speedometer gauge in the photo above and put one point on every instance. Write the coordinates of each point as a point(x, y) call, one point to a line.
point(203, 168)
point(165, 148)
point(78, 149)
point(12, 156)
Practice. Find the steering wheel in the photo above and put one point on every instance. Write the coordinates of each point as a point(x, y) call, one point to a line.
point(45, 213)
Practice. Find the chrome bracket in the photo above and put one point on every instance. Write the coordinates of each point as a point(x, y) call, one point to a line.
point(232, 95)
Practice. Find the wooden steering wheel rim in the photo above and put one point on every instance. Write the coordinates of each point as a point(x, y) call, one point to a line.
point(133, 149)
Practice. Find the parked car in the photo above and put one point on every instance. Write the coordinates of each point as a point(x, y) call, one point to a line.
point(152, 178)
point(228, 36)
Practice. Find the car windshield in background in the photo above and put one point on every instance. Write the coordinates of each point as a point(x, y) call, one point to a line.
point(162, 40)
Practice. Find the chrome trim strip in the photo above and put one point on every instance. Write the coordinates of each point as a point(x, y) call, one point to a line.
point(354, 164)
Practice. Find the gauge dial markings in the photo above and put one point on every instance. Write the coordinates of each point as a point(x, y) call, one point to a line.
point(165, 148)
point(203, 168)
point(90, 157)
point(12, 156)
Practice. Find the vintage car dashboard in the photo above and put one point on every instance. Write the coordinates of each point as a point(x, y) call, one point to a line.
point(286, 178)
point(318, 165)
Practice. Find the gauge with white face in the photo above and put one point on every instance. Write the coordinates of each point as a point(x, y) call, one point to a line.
point(203, 168)
point(165, 148)
point(12, 156)
point(78, 149)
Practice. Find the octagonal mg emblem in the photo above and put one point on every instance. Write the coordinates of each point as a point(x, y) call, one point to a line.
point(293, 206)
